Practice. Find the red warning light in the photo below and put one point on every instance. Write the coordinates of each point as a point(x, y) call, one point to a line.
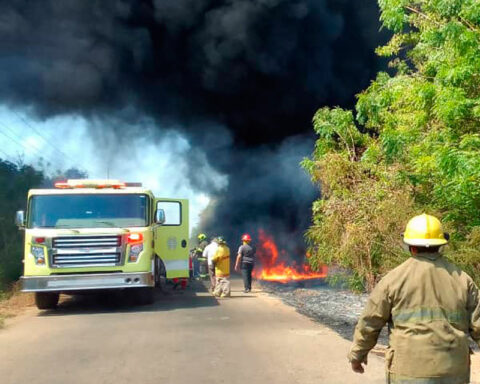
point(134, 238)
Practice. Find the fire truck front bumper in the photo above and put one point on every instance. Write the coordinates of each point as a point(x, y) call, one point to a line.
point(82, 282)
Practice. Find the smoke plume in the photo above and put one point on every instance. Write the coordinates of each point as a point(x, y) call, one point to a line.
point(240, 79)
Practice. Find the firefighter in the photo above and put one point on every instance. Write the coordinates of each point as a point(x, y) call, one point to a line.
point(431, 307)
point(208, 254)
point(246, 262)
point(221, 260)
point(200, 268)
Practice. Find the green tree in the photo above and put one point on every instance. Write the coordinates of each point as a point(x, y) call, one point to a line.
point(15, 181)
point(413, 146)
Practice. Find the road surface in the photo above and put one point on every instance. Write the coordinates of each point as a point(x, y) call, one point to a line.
point(183, 338)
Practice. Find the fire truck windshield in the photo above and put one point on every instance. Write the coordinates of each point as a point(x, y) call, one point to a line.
point(88, 211)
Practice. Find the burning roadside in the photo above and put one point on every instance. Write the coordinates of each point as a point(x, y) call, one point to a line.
point(276, 265)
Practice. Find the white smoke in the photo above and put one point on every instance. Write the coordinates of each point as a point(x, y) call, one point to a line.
point(138, 152)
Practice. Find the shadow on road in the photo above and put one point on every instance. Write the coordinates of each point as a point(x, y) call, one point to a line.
point(122, 302)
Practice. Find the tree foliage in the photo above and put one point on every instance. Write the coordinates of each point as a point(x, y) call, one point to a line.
point(413, 146)
point(16, 180)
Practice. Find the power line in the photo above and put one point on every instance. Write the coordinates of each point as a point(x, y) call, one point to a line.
point(21, 145)
point(24, 146)
point(38, 149)
point(12, 139)
point(47, 141)
point(5, 153)
point(50, 158)
point(15, 134)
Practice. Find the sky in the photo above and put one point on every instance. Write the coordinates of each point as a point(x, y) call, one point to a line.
point(158, 160)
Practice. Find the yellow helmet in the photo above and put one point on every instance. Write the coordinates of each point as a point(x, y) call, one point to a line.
point(425, 231)
point(202, 237)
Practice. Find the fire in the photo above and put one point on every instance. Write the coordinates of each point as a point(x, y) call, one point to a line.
point(271, 269)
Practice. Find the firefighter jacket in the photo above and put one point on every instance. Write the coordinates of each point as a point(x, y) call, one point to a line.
point(431, 307)
point(200, 248)
point(221, 260)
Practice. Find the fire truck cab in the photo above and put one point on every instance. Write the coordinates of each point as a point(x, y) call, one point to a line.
point(86, 235)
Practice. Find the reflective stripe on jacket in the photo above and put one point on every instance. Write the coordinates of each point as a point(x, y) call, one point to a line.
point(431, 307)
point(221, 259)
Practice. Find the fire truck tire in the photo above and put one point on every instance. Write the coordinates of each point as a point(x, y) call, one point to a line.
point(46, 300)
point(160, 274)
point(144, 296)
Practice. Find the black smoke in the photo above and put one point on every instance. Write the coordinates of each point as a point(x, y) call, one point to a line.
point(267, 191)
point(238, 77)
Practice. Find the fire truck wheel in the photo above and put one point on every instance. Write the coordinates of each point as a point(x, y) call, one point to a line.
point(144, 296)
point(160, 274)
point(46, 300)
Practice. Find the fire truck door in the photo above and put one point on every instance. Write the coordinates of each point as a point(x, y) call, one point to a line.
point(171, 238)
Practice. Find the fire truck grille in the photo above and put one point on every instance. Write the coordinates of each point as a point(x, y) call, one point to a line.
point(86, 251)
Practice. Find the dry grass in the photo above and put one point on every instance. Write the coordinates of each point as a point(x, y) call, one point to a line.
point(14, 302)
point(358, 222)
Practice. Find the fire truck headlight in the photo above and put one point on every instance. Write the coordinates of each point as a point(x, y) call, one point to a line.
point(39, 254)
point(135, 252)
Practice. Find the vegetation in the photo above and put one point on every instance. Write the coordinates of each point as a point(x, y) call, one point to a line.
point(413, 145)
point(16, 180)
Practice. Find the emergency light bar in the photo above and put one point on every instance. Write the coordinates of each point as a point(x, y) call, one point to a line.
point(85, 183)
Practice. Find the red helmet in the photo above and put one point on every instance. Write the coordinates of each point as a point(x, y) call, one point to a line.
point(246, 237)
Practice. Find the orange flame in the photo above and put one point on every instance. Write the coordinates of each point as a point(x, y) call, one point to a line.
point(271, 269)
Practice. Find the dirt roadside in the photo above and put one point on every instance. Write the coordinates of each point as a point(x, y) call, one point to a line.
point(14, 303)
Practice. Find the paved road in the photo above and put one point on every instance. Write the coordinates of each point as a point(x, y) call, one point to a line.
point(182, 338)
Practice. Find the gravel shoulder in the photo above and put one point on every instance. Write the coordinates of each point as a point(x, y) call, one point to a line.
point(337, 309)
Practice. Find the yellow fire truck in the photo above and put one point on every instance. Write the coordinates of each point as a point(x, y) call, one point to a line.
point(102, 235)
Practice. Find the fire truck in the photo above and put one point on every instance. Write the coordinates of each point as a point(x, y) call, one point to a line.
point(86, 235)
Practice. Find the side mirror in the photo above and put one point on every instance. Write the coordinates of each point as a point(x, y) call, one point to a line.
point(20, 219)
point(159, 216)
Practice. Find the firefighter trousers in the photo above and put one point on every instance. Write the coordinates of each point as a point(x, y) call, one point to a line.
point(211, 274)
point(222, 287)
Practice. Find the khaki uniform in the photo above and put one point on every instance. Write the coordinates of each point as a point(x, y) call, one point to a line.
point(221, 260)
point(431, 307)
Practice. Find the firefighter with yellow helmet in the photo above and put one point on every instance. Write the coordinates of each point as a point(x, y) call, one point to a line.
point(200, 268)
point(431, 307)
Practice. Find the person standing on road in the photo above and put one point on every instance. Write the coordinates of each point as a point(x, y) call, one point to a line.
point(431, 306)
point(208, 253)
point(246, 262)
point(198, 267)
point(221, 260)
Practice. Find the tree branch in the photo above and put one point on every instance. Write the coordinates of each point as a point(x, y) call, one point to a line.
point(424, 15)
